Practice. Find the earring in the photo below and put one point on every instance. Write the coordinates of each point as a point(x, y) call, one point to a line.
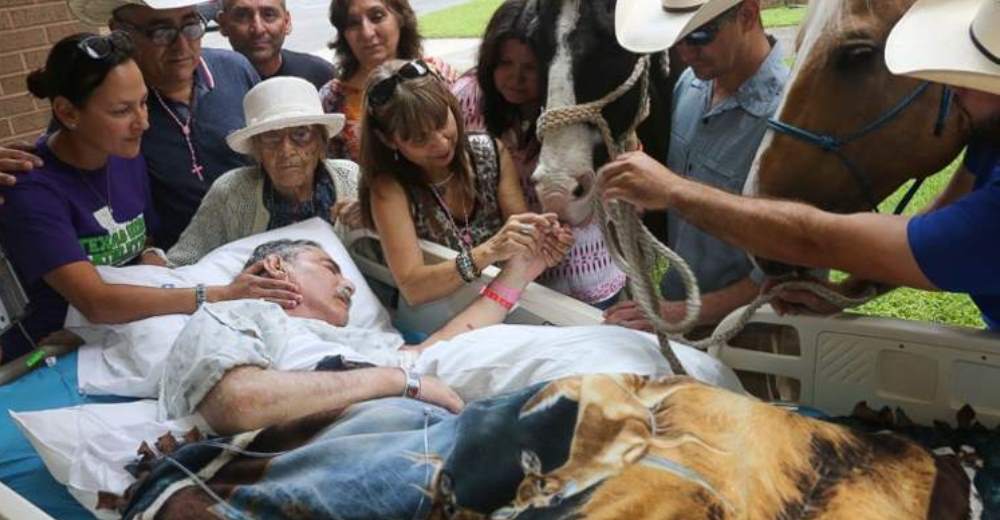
point(395, 154)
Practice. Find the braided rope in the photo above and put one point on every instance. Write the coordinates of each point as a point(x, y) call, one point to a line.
point(634, 248)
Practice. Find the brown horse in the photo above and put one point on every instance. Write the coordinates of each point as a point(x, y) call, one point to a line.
point(891, 129)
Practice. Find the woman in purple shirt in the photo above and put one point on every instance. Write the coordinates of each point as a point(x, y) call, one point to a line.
point(89, 203)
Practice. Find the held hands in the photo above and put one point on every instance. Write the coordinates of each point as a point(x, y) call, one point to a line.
point(251, 285)
point(348, 212)
point(16, 159)
point(636, 178)
point(522, 234)
point(552, 241)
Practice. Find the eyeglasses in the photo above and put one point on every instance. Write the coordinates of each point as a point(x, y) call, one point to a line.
point(706, 34)
point(300, 136)
point(382, 91)
point(163, 36)
point(100, 47)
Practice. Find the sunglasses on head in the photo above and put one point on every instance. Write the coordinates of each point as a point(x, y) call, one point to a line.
point(165, 35)
point(100, 47)
point(382, 92)
point(706, 34)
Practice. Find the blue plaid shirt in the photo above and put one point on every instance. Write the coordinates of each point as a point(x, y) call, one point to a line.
point(716, 146)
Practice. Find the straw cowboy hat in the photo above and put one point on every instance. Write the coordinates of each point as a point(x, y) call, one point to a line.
point(646, 26)
point(949, 41)
point(278, 103)
point(98, 12)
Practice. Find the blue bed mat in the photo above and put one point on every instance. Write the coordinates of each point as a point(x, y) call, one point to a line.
point(21, 469)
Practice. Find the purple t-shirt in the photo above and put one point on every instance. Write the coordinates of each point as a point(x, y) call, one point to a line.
point(57, 215)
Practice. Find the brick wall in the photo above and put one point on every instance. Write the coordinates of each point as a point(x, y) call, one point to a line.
point(28, 28)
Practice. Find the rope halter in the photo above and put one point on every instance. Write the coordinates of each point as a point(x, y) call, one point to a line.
point(632, 246)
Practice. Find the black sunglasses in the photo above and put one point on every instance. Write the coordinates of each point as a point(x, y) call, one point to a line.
point(382, 92)
point(706, 34)
point(163, 36)
point(100, 47)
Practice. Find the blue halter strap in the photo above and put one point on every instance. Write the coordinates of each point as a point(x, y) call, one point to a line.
point(833, 144)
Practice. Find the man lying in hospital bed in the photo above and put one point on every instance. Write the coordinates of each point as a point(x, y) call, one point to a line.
point(246, 365)
point(86, 447)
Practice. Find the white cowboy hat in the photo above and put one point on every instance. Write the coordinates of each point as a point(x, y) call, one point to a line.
point(956, 42)
point(98, 12)
point(278, 103)
point(646, 26)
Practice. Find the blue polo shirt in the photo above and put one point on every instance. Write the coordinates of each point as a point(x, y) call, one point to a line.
point(958, 246)
point(716, 146)
point(221, 81)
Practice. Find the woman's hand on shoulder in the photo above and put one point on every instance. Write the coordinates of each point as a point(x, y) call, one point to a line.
point(16, 159)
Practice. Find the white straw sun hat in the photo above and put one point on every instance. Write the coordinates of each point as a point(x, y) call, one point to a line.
point(278, 103)
point(98, 12)
point(646, 26)
point(956, 42)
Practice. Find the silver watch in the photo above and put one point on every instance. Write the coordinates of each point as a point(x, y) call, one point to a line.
point(200, 296)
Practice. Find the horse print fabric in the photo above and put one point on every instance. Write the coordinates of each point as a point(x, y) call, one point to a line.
point(596, 446)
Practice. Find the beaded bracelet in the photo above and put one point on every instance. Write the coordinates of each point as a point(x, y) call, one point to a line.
point(466, 266)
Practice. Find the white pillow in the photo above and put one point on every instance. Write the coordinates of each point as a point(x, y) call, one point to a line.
point(86, 448)
point(124, 359)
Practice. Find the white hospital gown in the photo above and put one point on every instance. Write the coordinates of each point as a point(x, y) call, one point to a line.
point(476, 364)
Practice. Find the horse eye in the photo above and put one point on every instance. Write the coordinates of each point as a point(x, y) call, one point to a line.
point(855, 54)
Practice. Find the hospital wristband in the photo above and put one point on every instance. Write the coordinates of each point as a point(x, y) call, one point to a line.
point(489, 293)
point(508, 293)
point(411, 387)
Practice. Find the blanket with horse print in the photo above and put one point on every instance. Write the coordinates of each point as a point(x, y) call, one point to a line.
point(599, 446)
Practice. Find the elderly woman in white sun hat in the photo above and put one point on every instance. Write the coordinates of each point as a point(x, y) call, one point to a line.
point(953, 247)
point(286, 133)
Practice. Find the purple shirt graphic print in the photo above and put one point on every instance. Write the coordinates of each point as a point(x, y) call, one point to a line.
point(57, 215)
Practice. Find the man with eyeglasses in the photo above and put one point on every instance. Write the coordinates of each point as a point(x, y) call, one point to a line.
point(257, 30)
point(721, 106)
point(195, 101)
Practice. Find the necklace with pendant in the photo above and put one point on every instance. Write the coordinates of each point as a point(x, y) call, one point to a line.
point(465, 235)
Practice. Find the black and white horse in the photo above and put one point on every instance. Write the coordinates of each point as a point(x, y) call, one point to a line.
point(582, 63)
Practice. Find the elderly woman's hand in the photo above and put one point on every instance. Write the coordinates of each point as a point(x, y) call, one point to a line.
point(347, 212)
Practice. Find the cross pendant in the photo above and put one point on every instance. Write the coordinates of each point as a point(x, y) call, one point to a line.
point(197, 169)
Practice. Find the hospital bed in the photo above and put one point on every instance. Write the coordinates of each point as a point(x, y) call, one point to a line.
point(928, 370)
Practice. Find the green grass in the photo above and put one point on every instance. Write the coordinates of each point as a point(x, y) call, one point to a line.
point(469, 20)
point(783, 16)
point(911, 304)
point(461, 21)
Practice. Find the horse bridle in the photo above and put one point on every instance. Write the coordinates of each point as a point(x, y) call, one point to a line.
point(590, 112)
point(833, 144)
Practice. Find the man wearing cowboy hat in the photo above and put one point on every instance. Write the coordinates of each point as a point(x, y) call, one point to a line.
point(952, 248)
point(721, 106)
point(194, 102)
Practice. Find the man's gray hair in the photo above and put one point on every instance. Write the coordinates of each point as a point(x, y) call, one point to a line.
point(286, 249)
